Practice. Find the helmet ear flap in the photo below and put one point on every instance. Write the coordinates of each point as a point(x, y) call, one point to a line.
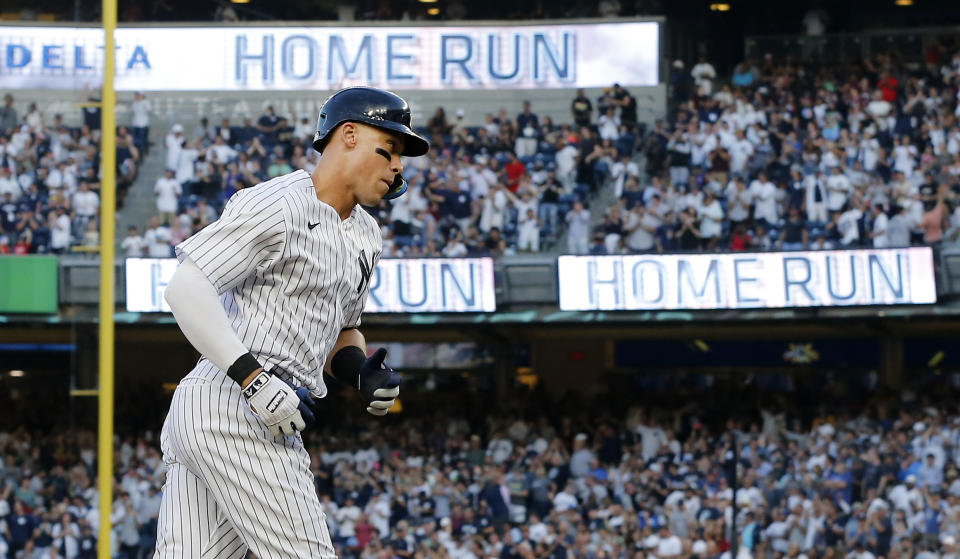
point(398, 187)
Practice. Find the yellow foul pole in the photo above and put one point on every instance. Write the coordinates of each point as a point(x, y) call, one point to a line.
point(108, 202)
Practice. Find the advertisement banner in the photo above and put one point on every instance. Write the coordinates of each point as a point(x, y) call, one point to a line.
point(324, 58)
point(747, 280)
point(29, 284)
point(396, 285)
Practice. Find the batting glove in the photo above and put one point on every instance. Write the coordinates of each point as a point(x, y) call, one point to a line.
point(282, 406)
point(378, 383)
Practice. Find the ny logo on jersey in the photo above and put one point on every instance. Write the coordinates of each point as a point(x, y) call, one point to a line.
point(365, 270)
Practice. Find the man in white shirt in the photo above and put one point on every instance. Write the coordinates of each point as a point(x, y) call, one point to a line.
point(816, 197)
point(59, 223)
point(848, 226)
point(838, 190)
point(703, 75)
point(738, 200)
point(140, 123)
point(640, 227)
point(879, 234)
point(669, 545)
point(168, 191)
point(764, 194)
point(133, 244)
point(565, 500)
point(348, 516)
point(608, 125)
point(481, 179)
point(566, 159)
point(8, 184)
point(777, 532)
point(174, 144)
point(621, 171)
point(578, 232)
point(224, 152)
point(185, 167)
point(740, 151)
point(528, 230)
point(157, 238)
point(85, 203)
point(711, 219)
point(879, 109)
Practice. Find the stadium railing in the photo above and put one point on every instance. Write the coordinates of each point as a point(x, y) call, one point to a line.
point(846, 47)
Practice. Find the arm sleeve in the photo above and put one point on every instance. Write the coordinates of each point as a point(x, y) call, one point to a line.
point(196, 306)
point(248, 238)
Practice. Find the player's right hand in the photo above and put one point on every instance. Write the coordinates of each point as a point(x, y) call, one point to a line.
point(283, 407)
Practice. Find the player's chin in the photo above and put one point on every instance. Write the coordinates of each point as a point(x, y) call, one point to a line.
point(371, 199)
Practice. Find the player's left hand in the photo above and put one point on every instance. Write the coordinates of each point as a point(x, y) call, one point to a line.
point(378, 383)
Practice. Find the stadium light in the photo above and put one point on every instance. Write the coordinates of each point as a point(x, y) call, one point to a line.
point(239, 1)
point(903, 2)
point(428, 1)
point(16, 373)
point(433, 12)
point(720, 7)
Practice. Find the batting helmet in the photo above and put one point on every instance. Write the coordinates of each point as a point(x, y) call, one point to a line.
point(375, 107)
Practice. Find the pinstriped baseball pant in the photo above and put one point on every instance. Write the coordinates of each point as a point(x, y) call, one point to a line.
point(232, 485)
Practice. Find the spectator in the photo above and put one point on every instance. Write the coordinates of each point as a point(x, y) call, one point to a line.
point(8, 115)
point(157, 239)
point(528, 126)
point(711, 220)
point(140, 122)
point(880, 224)
point(529, 230)
point(86, 204)
point(795, 235)
point(133, 245)
point(581, 109)
point(640, 228)
point(168, 193)
point(174, 143)
point(932, 222)
point(578, 233)
point(763, 193)
point(703, 75)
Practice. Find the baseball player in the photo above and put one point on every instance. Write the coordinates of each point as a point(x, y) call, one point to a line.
point(270, 295)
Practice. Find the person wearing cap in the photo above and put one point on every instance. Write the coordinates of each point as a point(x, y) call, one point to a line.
point(174, 144)
point(299, 241)
point(528, 132)
point(907, 496)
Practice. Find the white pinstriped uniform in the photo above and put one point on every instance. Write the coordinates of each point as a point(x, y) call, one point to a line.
point(291, 275)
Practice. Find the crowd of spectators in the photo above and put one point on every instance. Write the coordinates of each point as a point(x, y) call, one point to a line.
point(870, 481)
point(50, 178)
point(784, 156)
point(510, 185)
point(790, 155)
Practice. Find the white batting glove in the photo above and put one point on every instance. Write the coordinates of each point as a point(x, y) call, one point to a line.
point(278, 404)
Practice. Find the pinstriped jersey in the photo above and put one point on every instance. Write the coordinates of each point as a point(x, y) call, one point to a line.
point(290, 272)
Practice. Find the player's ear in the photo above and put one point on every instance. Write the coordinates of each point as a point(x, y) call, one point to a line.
point(349, 134)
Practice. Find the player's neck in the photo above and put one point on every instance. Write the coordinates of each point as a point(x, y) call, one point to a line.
point(329, 188)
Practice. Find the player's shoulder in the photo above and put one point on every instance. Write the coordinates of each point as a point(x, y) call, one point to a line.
point(270, 191)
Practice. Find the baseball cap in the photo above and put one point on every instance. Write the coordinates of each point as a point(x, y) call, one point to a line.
point(911, 478)
point(176, 128)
